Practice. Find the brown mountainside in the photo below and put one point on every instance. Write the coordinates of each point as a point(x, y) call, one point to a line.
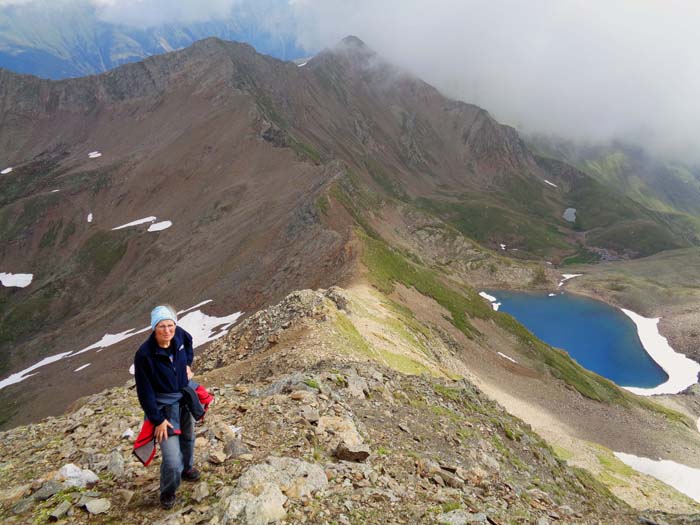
point(236, 149)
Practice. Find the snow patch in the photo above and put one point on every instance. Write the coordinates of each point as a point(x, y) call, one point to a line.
point(81, 367)
point(132, 369)
point(24, 374)
point(503, 246)
point(491, 299)
point(136, 222)
point(302, 64)
point(89, 217)
point(202, 327)
point(551, 295)
point(165, 44)
point(682, 371)
point(111, 339)
point(570, 214)
point(159, 226)
point(681, 477)
point(154, 227)
point(550, 183)
point(6, 171)
point(566, 276)
point(17, 280)
point(55, 191)
point(94, 155)
point(205, 328)
point(504, 356)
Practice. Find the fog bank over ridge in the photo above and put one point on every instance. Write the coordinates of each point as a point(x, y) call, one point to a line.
point(591, 71)
point(582, 70)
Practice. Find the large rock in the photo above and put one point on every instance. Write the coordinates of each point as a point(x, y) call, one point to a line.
point(235, 448)
point(295, 477)
point(74, 476)
point(342, 428)
point(47, 490)
point(116, 464)
point(356, 452)
point(357, 386)
point(98, 505)
point(59, 511)
point(267, 506)
point(200, 492)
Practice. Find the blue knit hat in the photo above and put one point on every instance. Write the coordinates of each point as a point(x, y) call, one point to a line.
point(161, 313)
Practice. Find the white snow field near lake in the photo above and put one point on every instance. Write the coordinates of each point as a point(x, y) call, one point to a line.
point(6, 171)
point(491, 299)
point(681, 477)
point(202, 327)
point(682, 371)
point(566, 276)
point(17, 280)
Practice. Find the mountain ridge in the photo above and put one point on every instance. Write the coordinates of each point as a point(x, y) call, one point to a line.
point(212, 117)
point(278, 178)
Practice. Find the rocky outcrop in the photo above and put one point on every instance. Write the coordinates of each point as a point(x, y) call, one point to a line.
point(435, 452)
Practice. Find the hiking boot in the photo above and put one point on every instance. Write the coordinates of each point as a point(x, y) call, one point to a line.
point(167, 501)
point(190, 474)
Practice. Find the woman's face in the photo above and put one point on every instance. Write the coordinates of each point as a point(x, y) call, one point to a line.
point(165, 331)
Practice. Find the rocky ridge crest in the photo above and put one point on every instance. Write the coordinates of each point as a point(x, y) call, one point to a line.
point(305, 430)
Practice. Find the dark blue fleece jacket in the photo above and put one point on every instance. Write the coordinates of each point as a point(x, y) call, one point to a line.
point(156, 374)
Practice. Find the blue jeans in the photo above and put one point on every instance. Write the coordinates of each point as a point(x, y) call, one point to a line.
point(178, 455)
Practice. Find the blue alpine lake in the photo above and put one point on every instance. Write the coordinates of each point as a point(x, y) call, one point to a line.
point(599, 337)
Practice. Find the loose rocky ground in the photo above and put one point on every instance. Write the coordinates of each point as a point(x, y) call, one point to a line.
point(305, 429)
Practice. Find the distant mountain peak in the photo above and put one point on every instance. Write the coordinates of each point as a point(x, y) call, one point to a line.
point(353, 46)
point(352, 40)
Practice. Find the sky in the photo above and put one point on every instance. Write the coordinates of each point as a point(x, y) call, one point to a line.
point(589, 70)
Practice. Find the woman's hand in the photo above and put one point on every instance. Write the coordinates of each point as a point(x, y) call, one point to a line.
point(161, 432)
point(190, 374)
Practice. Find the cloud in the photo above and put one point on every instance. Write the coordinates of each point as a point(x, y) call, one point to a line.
point(142, 13)
point(576, 68)
point(145, 13)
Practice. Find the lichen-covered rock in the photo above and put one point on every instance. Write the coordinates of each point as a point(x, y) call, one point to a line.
point(98, 505)
point(262, 508)
point(295, 477)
